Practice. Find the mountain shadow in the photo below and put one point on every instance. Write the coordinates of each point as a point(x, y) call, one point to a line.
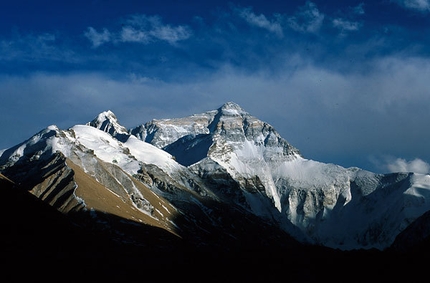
point(190, 148)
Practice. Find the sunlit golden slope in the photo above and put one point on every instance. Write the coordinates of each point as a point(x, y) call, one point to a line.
point(100, 198)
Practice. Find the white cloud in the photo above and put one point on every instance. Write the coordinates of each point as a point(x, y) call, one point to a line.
point(307, 19)
point(417, 5)
point(170, 34)
point(130, 34)
point(345, 25)
point(97, 38)
point(155, 28)
point(261, 21)
point(140, 29)
point(416, 165)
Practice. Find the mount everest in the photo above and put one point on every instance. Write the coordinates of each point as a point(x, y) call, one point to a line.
point(220, 178)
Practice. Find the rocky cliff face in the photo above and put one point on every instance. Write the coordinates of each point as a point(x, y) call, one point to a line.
point(221, 178)
point(329, 204)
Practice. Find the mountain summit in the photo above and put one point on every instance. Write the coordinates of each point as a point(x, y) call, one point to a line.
point(213, 133)
point(219, 178)
point(108, 122)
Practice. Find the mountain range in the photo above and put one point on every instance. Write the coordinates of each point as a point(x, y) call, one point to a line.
point(215, 191)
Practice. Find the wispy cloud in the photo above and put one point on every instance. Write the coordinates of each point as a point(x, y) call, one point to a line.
point(152, 28)
point(346, 21)
point(131, 34)
point(171, 34)
point(345, 25)
point(140, 29)
point(97, 38)
point(417, 5)
point(359, 9)
point(307, 19)
point(261, 21)
point(35, 47)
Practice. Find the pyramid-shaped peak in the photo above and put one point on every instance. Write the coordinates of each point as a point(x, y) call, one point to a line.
point(106, 115)
point(108, 122)
point(232, 109)
point(231, 105)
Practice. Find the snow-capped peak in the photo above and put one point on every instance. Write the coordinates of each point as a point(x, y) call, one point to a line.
point(108, 122)
point(231, 108)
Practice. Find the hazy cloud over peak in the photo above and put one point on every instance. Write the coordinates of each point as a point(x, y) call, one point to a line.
point(416, 165)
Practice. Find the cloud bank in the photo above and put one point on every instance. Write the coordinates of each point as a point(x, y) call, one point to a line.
point(328, 115)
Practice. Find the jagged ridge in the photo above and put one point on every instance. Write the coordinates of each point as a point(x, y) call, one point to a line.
point(209, 174)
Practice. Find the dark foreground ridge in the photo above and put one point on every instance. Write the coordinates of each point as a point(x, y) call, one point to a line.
point(40, 243)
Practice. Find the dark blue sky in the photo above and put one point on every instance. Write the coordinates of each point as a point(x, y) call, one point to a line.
point(346, 82)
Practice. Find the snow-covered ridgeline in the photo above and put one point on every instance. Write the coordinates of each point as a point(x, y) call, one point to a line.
point(83, 144)
point(333, 205)
point(339, 207)
point(128, 155)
